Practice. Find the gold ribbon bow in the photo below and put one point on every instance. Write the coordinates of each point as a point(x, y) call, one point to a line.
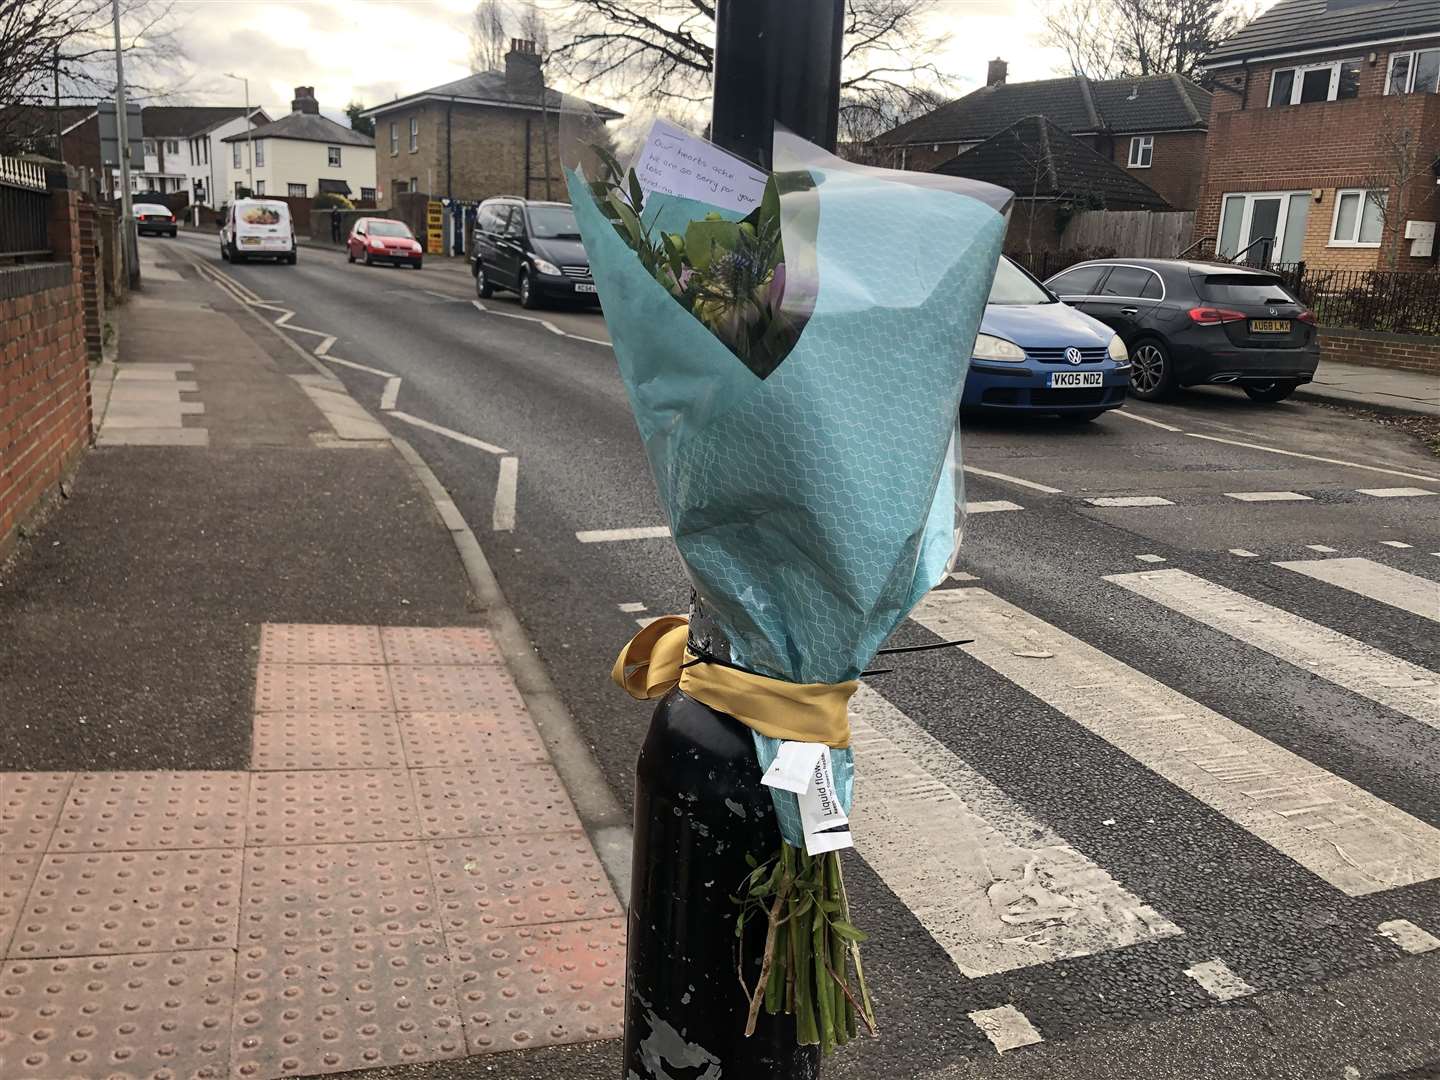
point(655, 661)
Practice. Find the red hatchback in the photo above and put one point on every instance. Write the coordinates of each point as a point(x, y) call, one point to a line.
point(383, 240)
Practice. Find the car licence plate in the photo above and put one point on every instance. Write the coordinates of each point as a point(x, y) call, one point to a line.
point(1074, 380)
point(249, 241)
point(1270, 326)
point(584, 288)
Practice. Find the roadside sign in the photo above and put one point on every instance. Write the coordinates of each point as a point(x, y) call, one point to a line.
point(110, 138)
point(434, 228)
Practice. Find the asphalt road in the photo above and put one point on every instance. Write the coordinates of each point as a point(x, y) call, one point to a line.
point(1175, 778)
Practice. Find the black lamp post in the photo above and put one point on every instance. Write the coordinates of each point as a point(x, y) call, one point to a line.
point(700, 808)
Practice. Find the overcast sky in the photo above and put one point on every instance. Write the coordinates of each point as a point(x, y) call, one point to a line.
point(374, 50)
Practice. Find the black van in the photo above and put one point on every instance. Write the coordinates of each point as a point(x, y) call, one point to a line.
point(531, 248)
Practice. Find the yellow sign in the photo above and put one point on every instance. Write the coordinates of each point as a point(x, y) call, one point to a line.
point(435, 228)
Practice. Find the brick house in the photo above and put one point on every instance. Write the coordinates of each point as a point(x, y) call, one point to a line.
point(487, 134)
point(1321, 109)
point(1153, 127)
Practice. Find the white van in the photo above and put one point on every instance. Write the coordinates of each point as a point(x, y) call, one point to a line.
point(257, 228)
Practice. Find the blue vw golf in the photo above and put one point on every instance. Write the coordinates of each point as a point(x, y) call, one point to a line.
point(1035, 354)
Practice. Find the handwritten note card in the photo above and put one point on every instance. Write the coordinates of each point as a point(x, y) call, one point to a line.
point(674, 162)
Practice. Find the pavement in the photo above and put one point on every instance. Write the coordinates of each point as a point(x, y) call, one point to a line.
point(1382, 389)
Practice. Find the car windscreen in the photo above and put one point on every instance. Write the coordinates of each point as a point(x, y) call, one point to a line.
point(389, 228)
point(553, 223)
point(1243, 289)
point(1014, 288)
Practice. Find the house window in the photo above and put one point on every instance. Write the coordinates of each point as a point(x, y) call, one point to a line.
point(172, 146)
point(400, 187)
point(259, 153)
point(259, 187)
point(394, 138)
point(333, 154)
point(239, 187)
point(1414, 72)
point(1142, 150)
point(296, 191)
point(235, 155)
point(414, 134)
point(1359, 218)
point(1263, 227)
point(367, 194)
point(1332, 81)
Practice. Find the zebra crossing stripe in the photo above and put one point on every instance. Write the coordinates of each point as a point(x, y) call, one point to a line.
point(1408, 936)
point(996, 889)
point(1219, 981)
point(1376, 581)
point(1332, 656)
point(1007, 1027)
point(1344, 835)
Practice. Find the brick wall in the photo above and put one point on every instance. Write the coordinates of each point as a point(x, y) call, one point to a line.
point(44, 378)
point(1408, 352)
point(1176, 169)
point(92, 279)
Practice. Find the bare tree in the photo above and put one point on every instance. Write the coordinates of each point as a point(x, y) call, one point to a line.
point(1400, 158)
point(1111, 39)
point(864, 117)
point(487, 36)
point(534, 27)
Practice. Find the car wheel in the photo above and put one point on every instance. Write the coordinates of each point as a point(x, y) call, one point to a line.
point(293, 258)
point(224, 253)
point(349, 255)
point(1082, 417)
point(418, 263)
point(1269, 392)
point(1152, 376)
point(482, 283)
point(528, 299)
point(369, 261)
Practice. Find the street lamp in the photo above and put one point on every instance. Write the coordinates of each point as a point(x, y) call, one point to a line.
point(127, 218)
point(249, 138)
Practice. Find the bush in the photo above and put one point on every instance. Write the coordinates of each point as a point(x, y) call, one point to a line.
point(329, 200)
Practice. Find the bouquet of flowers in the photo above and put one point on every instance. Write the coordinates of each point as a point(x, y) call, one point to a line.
point(795, 354)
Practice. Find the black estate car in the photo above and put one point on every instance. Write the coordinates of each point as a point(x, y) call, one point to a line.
point(1187, 323)
point(531, 248)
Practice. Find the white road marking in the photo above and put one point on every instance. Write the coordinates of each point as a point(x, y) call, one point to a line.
point(391, 392)
point(1143, 419)
point(1344, 835)
point(1408, 936)
point(996, 889)
point(324, 346)
point(1243, 553)
point(1321, 548)
point(503, 518)
point(1219, 981)
point(991, 507)
point(1267, 496)
point(546, 323)
point(1150, 558)
point(458, 436)
point(1313, 457)
point(1006, 1027)
point(444, 296)
point(632, 607)
point(1408, 592)
point(1394, 493)
point(605, 536)
point(1031, 484)
point(1397, 544)
point(359, 367)
point(1353, 665)
point(1130, 500)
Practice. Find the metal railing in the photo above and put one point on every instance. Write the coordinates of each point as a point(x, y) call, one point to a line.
point(1389, 301)
point(24, 210)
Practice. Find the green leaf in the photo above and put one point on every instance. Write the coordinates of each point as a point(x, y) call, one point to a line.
point(848, 932)
point(628, 218)
point(608, 160)
point(769, 207)
point(637, 196)
point(706, 239)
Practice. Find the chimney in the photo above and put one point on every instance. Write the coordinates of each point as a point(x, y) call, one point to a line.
point(522, 67)
point(995, 72)
point(304, 101)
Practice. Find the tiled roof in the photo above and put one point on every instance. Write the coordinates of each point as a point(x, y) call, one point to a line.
point(1293, 25)
point(1075, 104)
point(184, 121)
point(491, 87)
point(1034, 158)
point(307, 127)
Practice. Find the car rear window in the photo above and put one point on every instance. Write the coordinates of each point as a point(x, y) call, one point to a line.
point(1243, 289)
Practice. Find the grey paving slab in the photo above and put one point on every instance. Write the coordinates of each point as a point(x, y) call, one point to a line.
point(327, 1007)
point(17, 875)
point(326, 740)
point(340, 806)
point(439, 645)
point(469, 738)
point(335, 892)
point(502, 797)
point(321, 688)
point(130, 902)
point(140, 811)
point(320, 643)
point(30, 805)
point(540, 985)
point(160, 1016)
point(450, 688)
point(152, 436)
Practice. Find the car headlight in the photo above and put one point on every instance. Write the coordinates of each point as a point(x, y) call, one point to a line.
point(1117, 350)
point(543, 267)
point(988, 347)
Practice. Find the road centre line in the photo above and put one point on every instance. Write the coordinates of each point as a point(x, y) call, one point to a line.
point(1006, 1027)
point(1408, 936)
point(1244, 554)
point(1322, 549)
point(1031, 484)
point(1397, 544)
point(1376, 581)
point(1267, 496)
point(603, 536)
point(1216, 978)
point(1352, 665)
point(991, 507)
point(503, 518)
point(450, 433)
point(1313, 457)
point(1395, 492)
point(1129, 500)
point(1340, 832)
point(1144, 420)
point(996, 888)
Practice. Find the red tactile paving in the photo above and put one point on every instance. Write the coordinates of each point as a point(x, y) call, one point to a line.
point(439, 645)
point(321, 688)
point(540, 985)
point(326, 740)
point(501, 798)
point(487, 883)
point(130, 902)
point(336, 892)
point(328, 1007)
point(461, 739)
point(164, 1016)
point(17, 874)
point(319, 643)
point(454, 688)
point(29, 806)
point(150, 811)
point(342, 806)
